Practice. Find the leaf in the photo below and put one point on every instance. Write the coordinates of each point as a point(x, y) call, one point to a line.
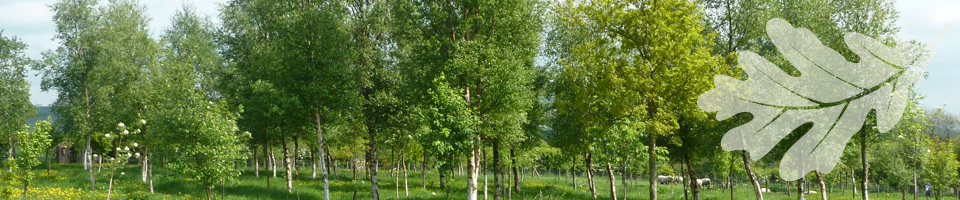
point(832, 93)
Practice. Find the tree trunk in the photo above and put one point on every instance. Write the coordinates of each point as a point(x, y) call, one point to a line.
point(110, 187)
point(273, 162)
point(289, 166)
point(823, 187)
point(801, 189)
point(423, 170)
point(484, 151)
point(573, 173)
point(266, 160)
point(496, 171)
point(473, 167)
point(753, 177)
point(686, 187)
point(593, 189)
point(88, 154)
point(313, 165)
point(25, 183)
point(730, 177)
point(256, 162)
point(372, 161)
point(295, 156)
point(694, 182)
point(516, 175)
point(652, 151)
point(853, 181)
point(613, 181)
point(623, 179)
point(323, 165)
point(406, 186)
point(150, 178)
point(866, 167)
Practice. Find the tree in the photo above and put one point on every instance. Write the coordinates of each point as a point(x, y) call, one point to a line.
point(484, 48)
point(32, 146)
point(940, 166)
point(662, 42)
point(14, 90)
point(71, 70)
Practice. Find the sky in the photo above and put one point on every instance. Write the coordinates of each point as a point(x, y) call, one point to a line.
point(920, 20)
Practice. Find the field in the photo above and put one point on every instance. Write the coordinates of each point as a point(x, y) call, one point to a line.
point(70, 182)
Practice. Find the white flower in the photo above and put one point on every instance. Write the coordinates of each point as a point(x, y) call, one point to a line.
point(122, 173)
point(137, 154)
point(126, 132)
point(135, 144)
point(121, 125)
point(900, 136)
point(928, 150)
point(111, 158)
point(118, 148)
point(143, 121)
point(95, 155)
point(107, 135)
point(126, 148)
point(136, 131)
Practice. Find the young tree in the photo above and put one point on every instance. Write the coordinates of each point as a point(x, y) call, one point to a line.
point(32, 146)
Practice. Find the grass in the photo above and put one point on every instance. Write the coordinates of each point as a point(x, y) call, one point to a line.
point(71, 182)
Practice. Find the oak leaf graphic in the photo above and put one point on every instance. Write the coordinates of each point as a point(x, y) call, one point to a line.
point(833, 94)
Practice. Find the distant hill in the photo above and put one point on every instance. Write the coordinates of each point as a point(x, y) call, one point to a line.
point(42, 113)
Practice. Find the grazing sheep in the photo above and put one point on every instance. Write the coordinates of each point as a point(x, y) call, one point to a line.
point(669, 179)
point(703, 181)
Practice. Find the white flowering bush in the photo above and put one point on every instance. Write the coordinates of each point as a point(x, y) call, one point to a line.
point(121, 152)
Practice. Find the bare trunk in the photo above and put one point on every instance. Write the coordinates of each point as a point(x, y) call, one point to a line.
point(753, 177)
point(516, 175)
point(110, 187)
point(853, 181)
point(593, 189)
point(474, 168)
point(150, 176)
point(406, 186)
point(801, 188)
point(273, 162)
point(289, 167)
point(613, 181)
point(573, 173)
point(323, 164)
point(496, 171)
point(423, 171)
point(694, 181)
point(484, 152)
point(256, 162)
point(623, 179)
point(652, 151)
point(823, 187)
point(866, 167)
point(88, 154)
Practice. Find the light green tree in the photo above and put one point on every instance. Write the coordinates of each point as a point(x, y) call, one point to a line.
point(33, 144)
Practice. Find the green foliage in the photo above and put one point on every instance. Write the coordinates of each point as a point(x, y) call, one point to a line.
point(15, 108)
point(31, 146)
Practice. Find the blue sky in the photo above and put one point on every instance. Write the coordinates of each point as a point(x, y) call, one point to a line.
point(921, 20)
